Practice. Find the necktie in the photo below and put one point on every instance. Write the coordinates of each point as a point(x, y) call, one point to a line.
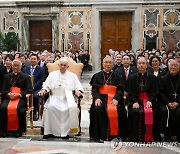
point(42, 64)
point(32, 70)
point(126, 73)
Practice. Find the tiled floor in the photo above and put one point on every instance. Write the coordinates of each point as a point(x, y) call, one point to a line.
point(13, 146)
point(33, 142)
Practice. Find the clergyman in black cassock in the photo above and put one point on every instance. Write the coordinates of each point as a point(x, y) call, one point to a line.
point(169, 108)
point(13, 107)
point(143, 89)
point(108, 115)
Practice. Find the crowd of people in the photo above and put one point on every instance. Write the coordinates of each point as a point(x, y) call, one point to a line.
point(136, 96)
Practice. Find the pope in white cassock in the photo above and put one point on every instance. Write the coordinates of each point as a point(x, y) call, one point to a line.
point(60, 116)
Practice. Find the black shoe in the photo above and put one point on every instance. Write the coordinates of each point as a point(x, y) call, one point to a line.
point(96, 140)
point(46, 136)
point(178, 139)
point(65, 137)
point(18, 135)
point(3, 135)
point(173, 139)
point(78, 134)
point(167, 139)
point(35, 117)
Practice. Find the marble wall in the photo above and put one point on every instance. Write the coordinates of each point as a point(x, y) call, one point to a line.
point(75, 29)
point(161, 27)
point(10, 22)
point(77, 26)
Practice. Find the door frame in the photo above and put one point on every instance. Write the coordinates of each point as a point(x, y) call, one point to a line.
point(25, 29)
point(96, 41)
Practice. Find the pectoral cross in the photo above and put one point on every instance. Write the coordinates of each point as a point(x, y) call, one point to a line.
point(142, 86)
point(175, 95)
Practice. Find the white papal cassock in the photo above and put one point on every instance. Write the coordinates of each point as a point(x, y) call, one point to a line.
point(60, 116)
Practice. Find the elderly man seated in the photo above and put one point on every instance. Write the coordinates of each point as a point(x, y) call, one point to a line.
point(13, 107)
point(60, 116)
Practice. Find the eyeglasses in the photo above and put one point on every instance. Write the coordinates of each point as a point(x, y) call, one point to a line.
point(108, 62)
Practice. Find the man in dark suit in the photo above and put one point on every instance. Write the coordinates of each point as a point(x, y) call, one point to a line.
point(38, 76)
point(126, 70)
point(42, 63)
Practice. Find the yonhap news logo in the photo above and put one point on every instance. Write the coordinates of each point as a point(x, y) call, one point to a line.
point(117, 144)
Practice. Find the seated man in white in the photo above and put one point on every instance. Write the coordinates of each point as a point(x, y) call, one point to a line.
point(60, 116)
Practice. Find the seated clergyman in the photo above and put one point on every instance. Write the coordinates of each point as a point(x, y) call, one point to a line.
point(13, 107)
point(60, 116)
point(108, 115)
point(143, 89)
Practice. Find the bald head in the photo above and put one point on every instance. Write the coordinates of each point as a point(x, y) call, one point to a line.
point(108, 63)
point(108, 58)
point(141, 59)
point(142, 65)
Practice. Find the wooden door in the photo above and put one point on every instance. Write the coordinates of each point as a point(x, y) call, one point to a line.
point(115, 31)
point(40, 35)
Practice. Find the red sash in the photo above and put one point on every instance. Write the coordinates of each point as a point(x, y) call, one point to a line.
point(111, 110)
point(13, 123)
point(148, 112)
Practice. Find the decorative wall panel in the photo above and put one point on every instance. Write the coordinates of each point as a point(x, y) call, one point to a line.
point(151, 39)
point(88, 19)
point(75, 41)
point(171, 17)
point(171, 39)
point(75, 27)
point(75, 19)
point(11, 21)
point(151, 17)
point(160, 27)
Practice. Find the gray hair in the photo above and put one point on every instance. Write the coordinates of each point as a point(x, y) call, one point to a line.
point(170, 60)
point(108, 56)
point(15, 60)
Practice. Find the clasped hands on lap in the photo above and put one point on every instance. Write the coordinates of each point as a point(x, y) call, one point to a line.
point(13, 95)
point(98, 102)
point(173, 105)
point(148, 105)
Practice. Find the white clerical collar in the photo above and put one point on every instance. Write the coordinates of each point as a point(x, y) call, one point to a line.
point(107, 72)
